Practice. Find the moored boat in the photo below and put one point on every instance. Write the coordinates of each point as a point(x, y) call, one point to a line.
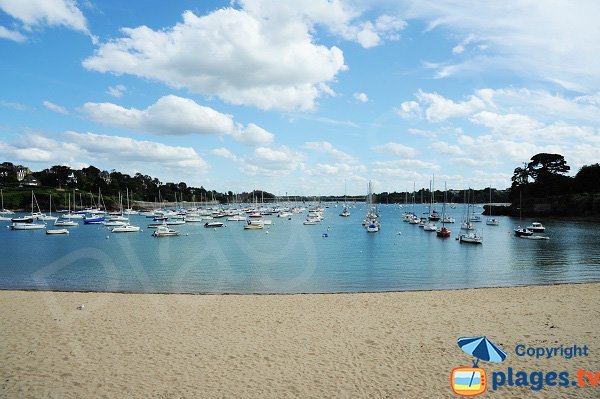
point(57, 231)
point(536, 227)
point(164, 231)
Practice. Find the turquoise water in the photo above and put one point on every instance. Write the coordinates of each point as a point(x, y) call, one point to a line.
point(294, 257)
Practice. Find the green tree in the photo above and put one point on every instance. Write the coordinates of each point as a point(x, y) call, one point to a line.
point(544, 164)
point(587, 180)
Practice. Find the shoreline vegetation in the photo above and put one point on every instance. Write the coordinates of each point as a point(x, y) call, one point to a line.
point(539, 188)
point(397, 344)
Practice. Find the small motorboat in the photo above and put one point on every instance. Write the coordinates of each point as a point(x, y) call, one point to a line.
point(253, 227)
point(492, 222)
point(523, 232)
point(164, 231)
point(66, 223)
point(26, 219)
point(213, 224)
point(57, 231)
point(27, 226)
point(126, 228)
point(536, 227)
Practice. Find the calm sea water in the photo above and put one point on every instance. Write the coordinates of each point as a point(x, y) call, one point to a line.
point(294, 258)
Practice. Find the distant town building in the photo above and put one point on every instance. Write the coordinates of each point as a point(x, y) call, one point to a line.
point(72, 178)
point(22, 172)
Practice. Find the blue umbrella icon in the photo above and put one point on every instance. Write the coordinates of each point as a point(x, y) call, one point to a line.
point(483, 349)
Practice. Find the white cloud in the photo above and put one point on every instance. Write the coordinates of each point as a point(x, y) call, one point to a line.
point(362, 97)
point(409, 109)
point(325, 147)
point(253, 135)
point(36, 13)
point(233, 54)
point(11, 35)
point(444, 148)
point(116, 91)
point(72, 148)
point(406, 163)
point(533, 39)
point(440, 108)
point(397, 149)
point(170, 115)
point(336, 169)
point(223, 153)
point(55, 108)
point(271, 161)
point(507, 124)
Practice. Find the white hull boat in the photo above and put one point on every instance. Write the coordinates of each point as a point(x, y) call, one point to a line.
point(127, 228)
point(57, 231)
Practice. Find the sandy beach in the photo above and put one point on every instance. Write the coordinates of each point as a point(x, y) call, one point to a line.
point(396, 345)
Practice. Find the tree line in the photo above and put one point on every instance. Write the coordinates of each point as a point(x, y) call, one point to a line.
point(543, 186)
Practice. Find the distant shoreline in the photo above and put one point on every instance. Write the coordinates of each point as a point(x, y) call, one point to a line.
point(243, 294)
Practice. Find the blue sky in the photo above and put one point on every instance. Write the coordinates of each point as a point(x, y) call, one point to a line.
point(300, 96)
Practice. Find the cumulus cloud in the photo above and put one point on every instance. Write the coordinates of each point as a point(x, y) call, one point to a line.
point(56, 108)
point(170, 115)
point(409, 109)
point(440, 108)
point(325, 147)
point(406, 163)
point(73, 148)
point(39, 13)
point(229, 53)
point(271, 161)
point(223, 153)
point(253, 135)
point(442, 147)
point(397, 149)
point(362, 97)
point(173, 115)
point(116, 91)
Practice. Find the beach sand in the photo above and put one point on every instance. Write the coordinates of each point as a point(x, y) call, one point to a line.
point(396, 345)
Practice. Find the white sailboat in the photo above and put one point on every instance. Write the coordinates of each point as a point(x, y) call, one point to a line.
point(68, 222)
point(345, 212)
point(30, 225)
point(472, 237)
point(492, 221)
point(48, 217)
point(4, 211)
point(372, 224)
point(126, 227)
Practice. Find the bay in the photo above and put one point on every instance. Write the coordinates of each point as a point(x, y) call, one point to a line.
point(290, 257)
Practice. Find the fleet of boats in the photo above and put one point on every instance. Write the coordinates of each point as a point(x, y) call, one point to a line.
point(255, 218)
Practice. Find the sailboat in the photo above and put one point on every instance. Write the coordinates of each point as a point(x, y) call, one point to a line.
point(28, 224)
point(126, 227)
point(433, 216)
point(345, 212)
point(444, 232)
point(4, 211)
point(67, 222)
point(522, 231)
point(492, 221)
point(470, 237)
point(48, 217)
point(372, 220)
